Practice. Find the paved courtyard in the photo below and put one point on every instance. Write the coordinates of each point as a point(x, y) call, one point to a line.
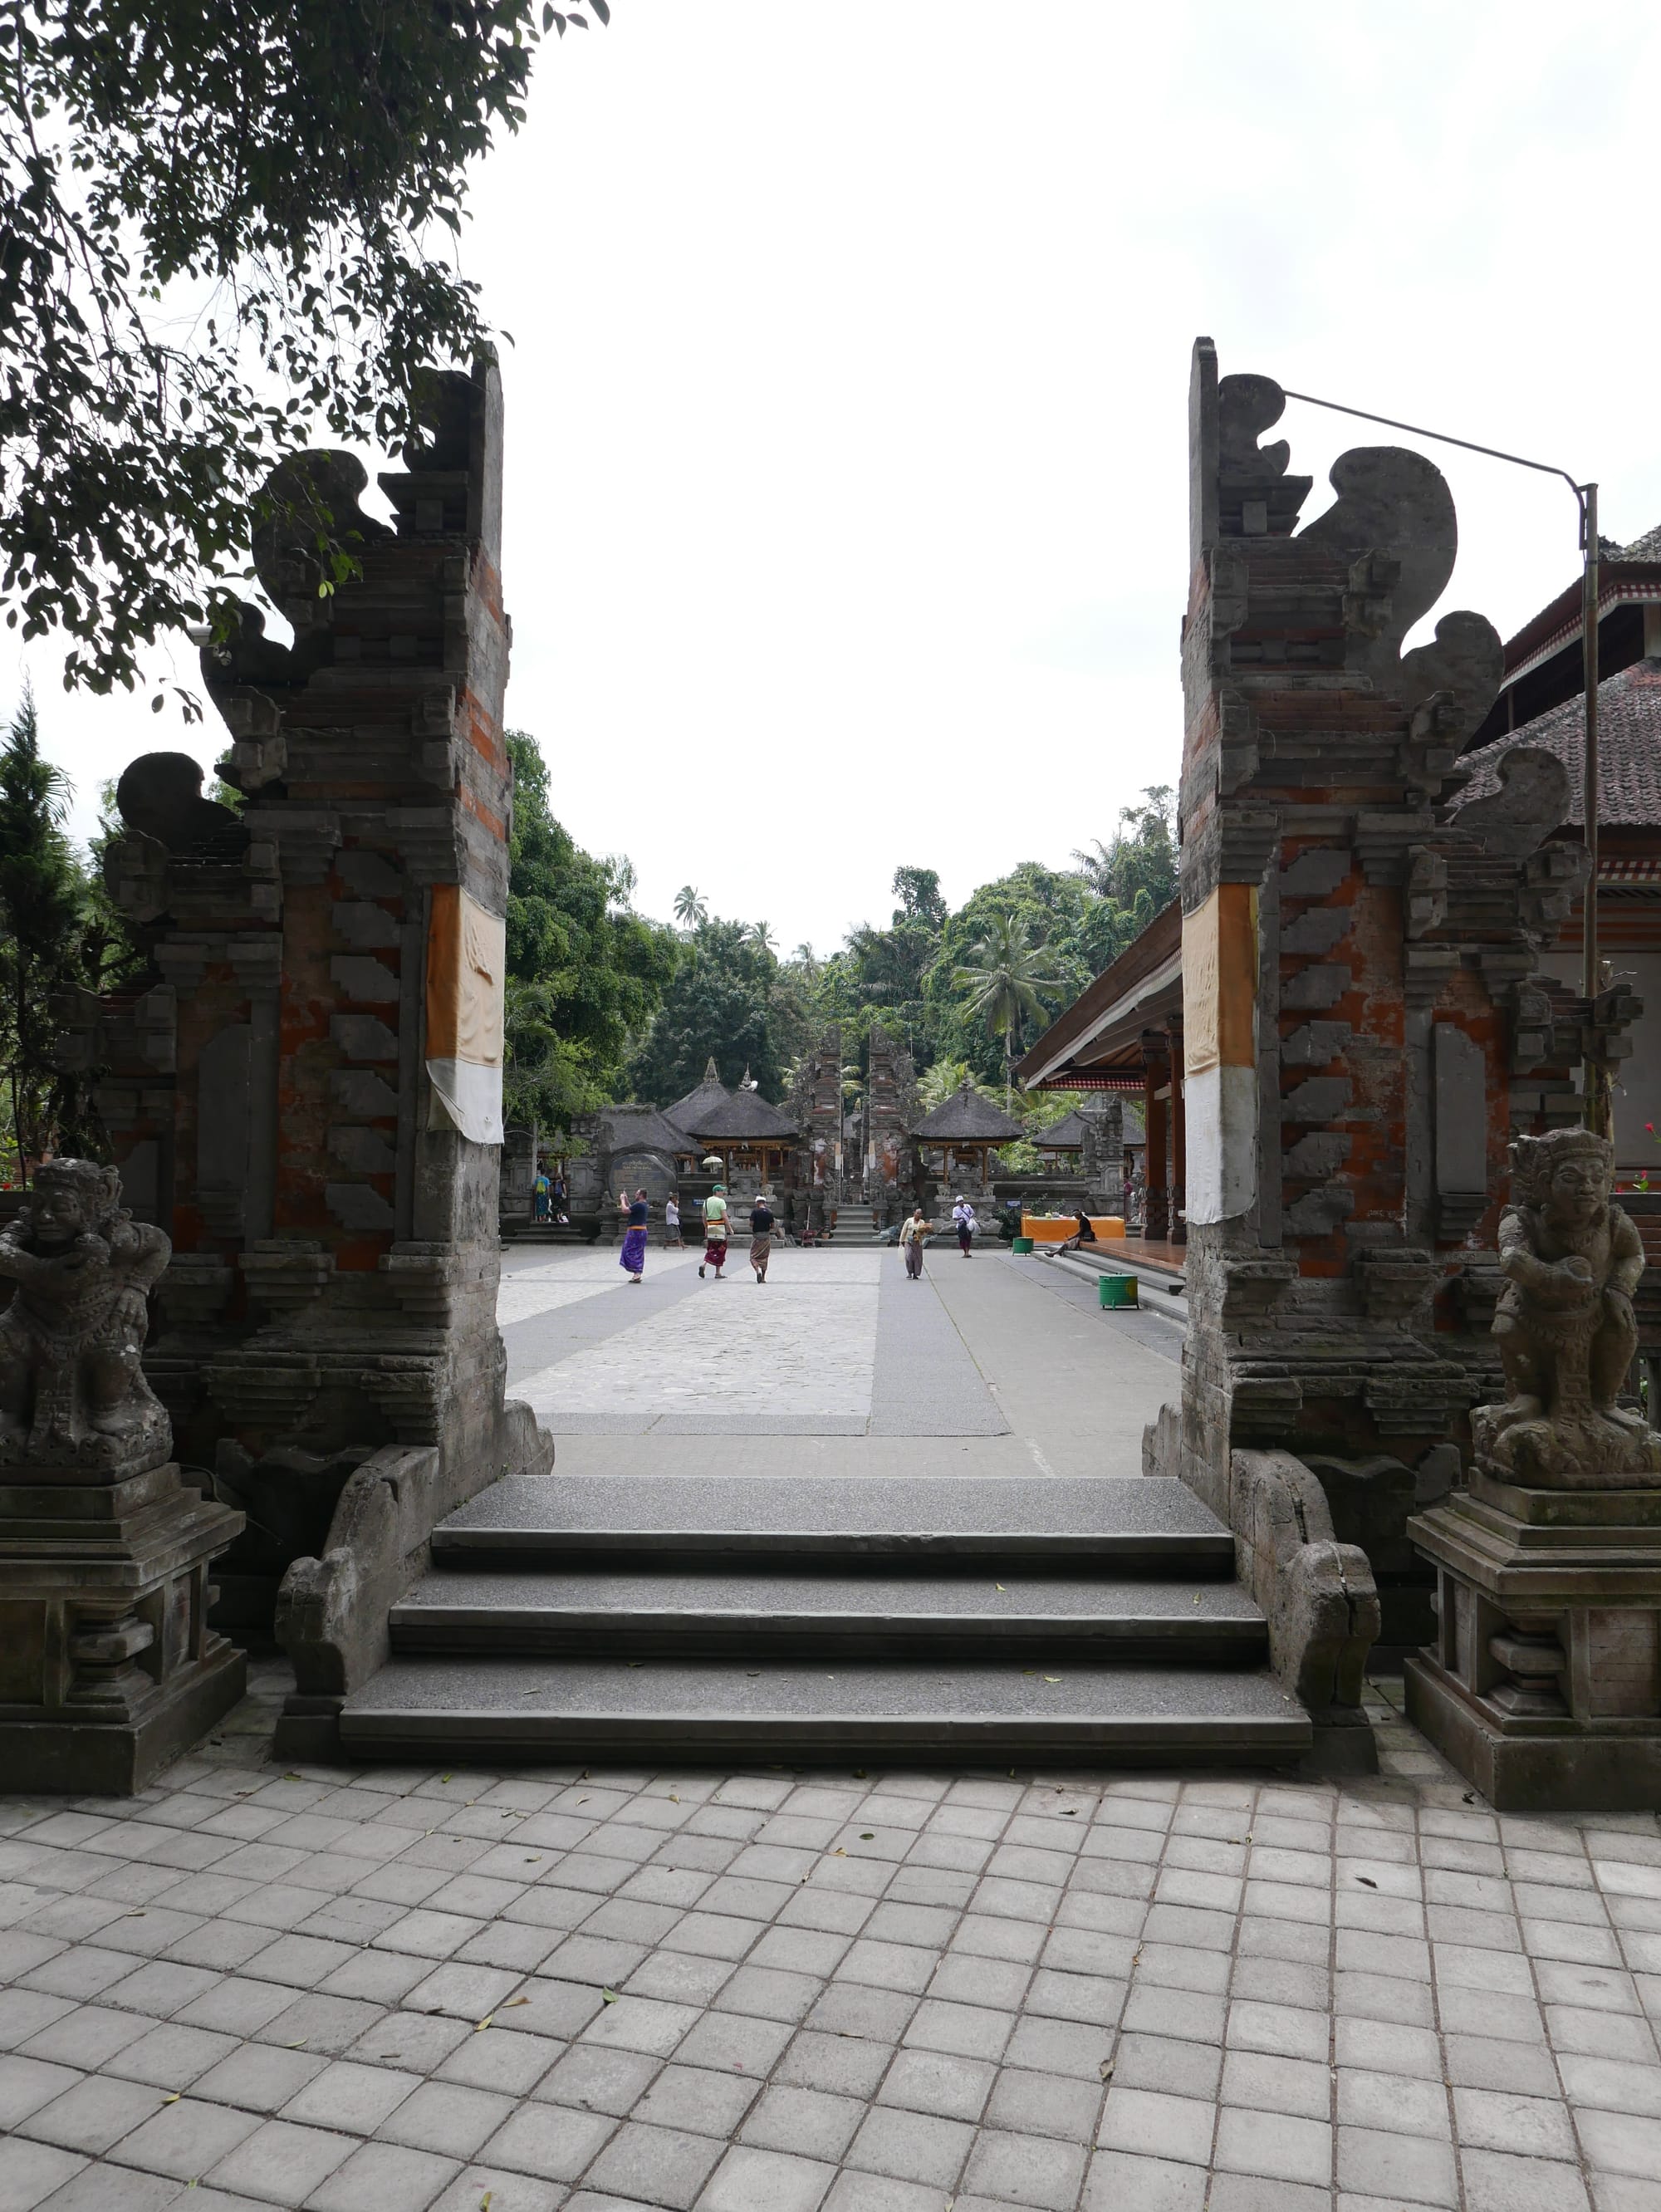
point(600, 1990)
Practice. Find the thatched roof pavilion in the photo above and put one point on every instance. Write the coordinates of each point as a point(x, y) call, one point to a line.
point(1066, 1135)
point(736, 1124)
point(966, 1123)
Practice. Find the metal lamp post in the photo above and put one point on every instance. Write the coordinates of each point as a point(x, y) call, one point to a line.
point(1597, 1099)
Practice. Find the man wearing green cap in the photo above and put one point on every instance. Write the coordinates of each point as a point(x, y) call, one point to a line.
point(715, 1231)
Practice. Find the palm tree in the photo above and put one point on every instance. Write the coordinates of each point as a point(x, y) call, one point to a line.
point(689, 907)
point(761, 937)
point(1097, 865)
point(943, 1081)
point(1004, 974)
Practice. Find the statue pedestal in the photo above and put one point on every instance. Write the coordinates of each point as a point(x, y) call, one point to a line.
point(1543, 1684)
point(107, 1666)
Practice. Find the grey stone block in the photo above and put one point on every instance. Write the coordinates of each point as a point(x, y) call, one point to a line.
point(356, 1206)
point(362, 1094)
point(1317, 930)
point(363, 1037)
point(1316, 1044)
point(1317, 872)
point(361, 977)
point(365, 1151)
point(1315, 987)
point(1319, 1155)
point(1319, 1098)
point(364, 926)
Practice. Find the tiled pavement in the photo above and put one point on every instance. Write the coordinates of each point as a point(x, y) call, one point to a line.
point(823, 1992)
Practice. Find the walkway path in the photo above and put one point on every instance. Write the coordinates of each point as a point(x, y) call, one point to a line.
point(1012, 1353)
point(566, 1990)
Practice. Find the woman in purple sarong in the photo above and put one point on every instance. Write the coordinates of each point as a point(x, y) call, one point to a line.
point(632, 1257)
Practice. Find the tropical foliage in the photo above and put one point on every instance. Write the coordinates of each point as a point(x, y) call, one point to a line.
point(965, 991)
point(57, 933)
point(224, 227)
point(733, 998)
point(1006, 981)
point(585, 972)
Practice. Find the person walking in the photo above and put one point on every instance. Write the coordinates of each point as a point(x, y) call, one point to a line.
point(760, 1236)
point(672, 1222)
point(912, 1233)
point(632, 1258)
point(963, 1216)
point(715, 1231)
point(539, 1196)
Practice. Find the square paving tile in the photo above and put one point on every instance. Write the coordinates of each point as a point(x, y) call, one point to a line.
point(1026, 2170)
point(384, 2174)
point(281, 2163)
point(655, 2165)
point(749, 2180)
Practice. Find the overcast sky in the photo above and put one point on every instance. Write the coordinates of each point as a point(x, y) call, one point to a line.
point(845, 495)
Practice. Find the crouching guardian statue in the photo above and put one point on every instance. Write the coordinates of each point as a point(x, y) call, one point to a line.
point(1571, 1259)
point(72, 1389)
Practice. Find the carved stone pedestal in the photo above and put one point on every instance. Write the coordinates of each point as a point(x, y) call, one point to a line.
point(107, 1666)
point(1543, 1684)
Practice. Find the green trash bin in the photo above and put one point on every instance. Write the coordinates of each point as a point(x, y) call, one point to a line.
point(1021, 1244)
point(1117, 1290)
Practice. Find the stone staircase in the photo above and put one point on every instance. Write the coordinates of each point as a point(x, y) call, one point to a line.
point(853, 1225)
point(979, 1621)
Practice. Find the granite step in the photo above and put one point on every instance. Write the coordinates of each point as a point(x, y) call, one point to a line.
point(704, 1613)
point(1133, 1525)
point(713, 1710)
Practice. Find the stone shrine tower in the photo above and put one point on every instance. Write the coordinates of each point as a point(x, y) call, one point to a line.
point(307, 1096)
point(1366, 1025)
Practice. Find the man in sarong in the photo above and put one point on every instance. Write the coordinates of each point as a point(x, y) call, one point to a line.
point(760, 1236)
point(715, 1231)
point(632, 1257)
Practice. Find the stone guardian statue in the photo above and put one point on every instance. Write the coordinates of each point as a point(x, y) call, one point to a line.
point(1571, 1259)
point(72, 1389)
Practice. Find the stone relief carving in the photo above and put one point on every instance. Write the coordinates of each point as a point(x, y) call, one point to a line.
point(72, 1391)
point(1564, 1326)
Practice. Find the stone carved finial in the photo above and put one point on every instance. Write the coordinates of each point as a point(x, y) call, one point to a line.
point(1564, 1326)
point(72, 1391)
point(1255, 496)
point(1533, 800)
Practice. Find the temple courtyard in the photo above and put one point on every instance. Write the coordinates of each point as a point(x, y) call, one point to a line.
point(518, 1988)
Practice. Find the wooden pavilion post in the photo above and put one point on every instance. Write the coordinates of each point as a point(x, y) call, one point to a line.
point(1156, 1196)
